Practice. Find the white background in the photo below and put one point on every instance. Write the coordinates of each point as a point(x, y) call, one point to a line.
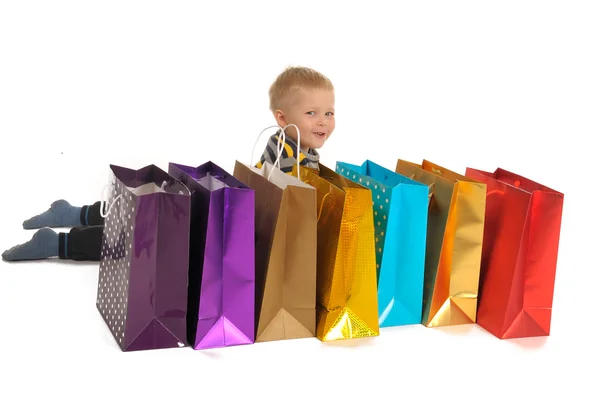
point(511, 84)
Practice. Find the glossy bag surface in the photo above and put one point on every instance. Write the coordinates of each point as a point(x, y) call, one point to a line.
point(222, 273)
point(347, 273)
point(286, 253)
point(454, 243)
point(143, 273)
point(400, 214)
point(520, 250)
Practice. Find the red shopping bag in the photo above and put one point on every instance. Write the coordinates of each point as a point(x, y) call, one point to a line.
point(520, 249)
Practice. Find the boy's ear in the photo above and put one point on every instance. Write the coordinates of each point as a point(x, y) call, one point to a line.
point(280, 118)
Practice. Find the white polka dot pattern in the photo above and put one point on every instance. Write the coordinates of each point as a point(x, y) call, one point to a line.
point(113, 279)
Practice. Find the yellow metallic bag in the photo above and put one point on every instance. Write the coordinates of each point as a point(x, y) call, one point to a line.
point(346, 268)
point(454, 243)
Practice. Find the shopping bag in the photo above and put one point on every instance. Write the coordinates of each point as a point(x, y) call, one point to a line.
point(221, 272)
point(520, 249)
point(286, 257)
point(143, 273)
point(347, 273)
point(400, 213)
point(454, 243)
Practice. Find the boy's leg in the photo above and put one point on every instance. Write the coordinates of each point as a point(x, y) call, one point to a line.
point(80, 244)
point(62, 214)
point(90, 215)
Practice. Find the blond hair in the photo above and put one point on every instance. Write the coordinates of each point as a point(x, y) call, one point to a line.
point(293, 79)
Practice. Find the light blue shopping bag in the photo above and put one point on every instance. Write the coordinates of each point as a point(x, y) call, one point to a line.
point(400, 210)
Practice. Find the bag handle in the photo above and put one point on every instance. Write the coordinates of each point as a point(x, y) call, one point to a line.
point(280, 147)
point(104, 201)
point(280, 151)
point(441, 174)
point(430, 186)
point(323, 204)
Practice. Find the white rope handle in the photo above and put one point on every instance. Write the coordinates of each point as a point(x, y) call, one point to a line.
point(258, 139)
point(297, 147)
point(103, 201)
point(164, 184)
point(280, 147)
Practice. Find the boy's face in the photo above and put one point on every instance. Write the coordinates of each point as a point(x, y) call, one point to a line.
point(314, 114)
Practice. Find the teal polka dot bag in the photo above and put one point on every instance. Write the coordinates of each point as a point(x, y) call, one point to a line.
point(400, 211)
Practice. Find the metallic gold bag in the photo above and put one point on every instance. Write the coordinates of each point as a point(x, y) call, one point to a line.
point(454, 243)
point(346, 267)
point(286, 253)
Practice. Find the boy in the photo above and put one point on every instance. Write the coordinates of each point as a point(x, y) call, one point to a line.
point(306, 98)
point(299, 95)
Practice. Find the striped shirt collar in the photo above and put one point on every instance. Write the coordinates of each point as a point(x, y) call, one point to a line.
point(311, 154)
point(308, 158)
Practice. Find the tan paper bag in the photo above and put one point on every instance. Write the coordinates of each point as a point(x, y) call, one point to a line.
point(286, 252)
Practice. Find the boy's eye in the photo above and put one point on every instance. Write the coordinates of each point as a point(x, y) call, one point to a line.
point(329, 113)
point(310, 113)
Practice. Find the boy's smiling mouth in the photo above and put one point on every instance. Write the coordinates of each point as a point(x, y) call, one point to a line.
point(319, 133)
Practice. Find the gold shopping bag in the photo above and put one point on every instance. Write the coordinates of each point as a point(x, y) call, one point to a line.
point(346, 266)
point(454, 243)
point(286, 253)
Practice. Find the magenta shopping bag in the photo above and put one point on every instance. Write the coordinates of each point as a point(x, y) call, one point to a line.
point(221, 271)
